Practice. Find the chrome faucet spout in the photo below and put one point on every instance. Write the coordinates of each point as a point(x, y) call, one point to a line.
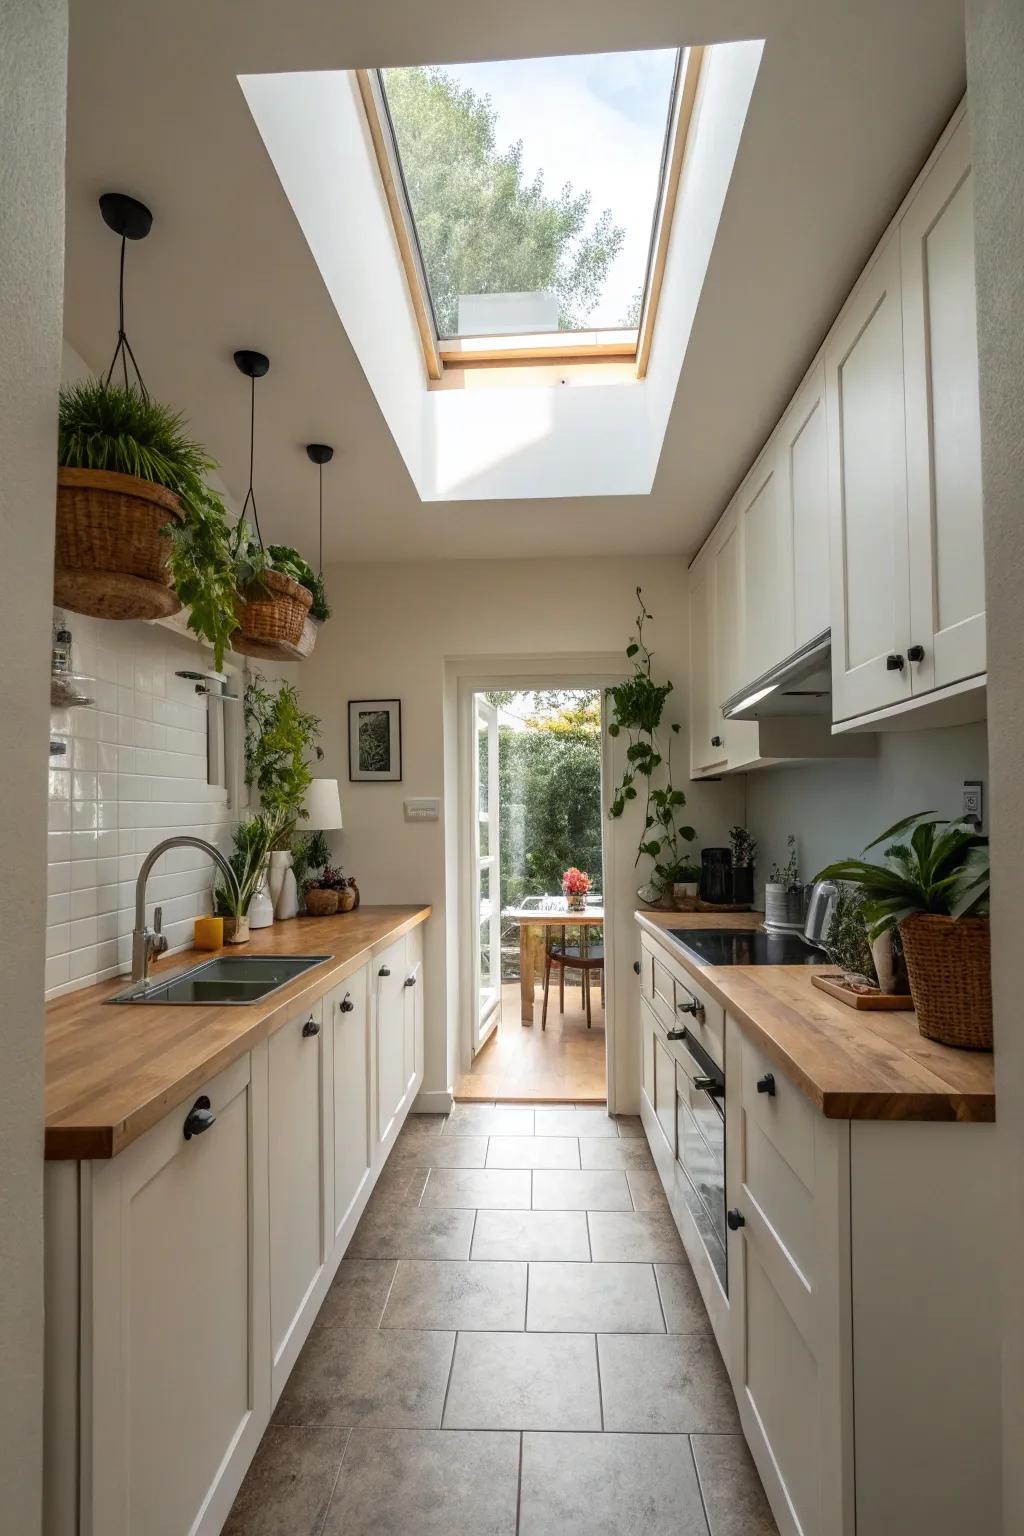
point(145, 941)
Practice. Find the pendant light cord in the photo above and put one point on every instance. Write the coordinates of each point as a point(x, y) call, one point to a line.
point(250, 495)
point(320, 469)
point(124, 346)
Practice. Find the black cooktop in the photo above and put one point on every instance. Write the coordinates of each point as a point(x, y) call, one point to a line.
point(727, 946)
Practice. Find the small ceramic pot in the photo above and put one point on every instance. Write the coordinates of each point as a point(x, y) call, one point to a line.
point(576, 901)
point(684, 895)
point(346, 899)
point(236, 930)
point(321, 903)
point(261, 908)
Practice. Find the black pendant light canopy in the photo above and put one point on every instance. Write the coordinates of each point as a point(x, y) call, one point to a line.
point(132, 220)
point(254, 365)
point(320, 454)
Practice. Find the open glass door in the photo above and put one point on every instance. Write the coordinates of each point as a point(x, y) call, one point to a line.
point(487, 892)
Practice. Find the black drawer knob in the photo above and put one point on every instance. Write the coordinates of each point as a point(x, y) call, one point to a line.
point(346, 1005)
point(894, 663)
point(915, 653)
point(385, 970)
point(310, 1028)
point(677, 1034)
point(716, 741)
point(199, 1118)
point(735, 1220)
point(636, 966)
point(410, 981)
point(766, 1084)
point(692, 1007)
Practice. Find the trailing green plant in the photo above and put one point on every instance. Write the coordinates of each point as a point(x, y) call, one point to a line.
point(253, 838)
point(847, 944)
point(743, 847)
point(280, 740)
point(934, 865)
point(683, 872)
point(290, 563)
point(637, 708)
point(204, 570)
point(787, 874)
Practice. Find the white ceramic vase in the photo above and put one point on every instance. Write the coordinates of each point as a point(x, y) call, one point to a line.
point(286, 903)
point(261, 908)
point(279, 862)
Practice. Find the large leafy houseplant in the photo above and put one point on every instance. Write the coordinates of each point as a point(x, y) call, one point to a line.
point(107, 427)
point(281, 738)
point(638, 704)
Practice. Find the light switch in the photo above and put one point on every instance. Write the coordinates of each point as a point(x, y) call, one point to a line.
point(422, 810)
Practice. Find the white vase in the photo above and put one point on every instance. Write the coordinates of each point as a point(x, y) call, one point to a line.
point(287, 903)
point(279, 862)
point(261, 908)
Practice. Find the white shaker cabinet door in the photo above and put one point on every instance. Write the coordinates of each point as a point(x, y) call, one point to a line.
point(388, 976)
point(707, 738)
point(947, 576)
point(803, 481)
point(413, 1004)
point(868, 495)
point(346, 1016)
point(767, 568)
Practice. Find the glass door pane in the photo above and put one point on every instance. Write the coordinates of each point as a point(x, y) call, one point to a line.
point(487, 893)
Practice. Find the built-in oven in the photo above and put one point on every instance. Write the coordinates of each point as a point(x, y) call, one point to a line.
point(700, 1144)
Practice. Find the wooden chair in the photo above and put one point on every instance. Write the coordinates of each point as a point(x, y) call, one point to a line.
point(583, 957)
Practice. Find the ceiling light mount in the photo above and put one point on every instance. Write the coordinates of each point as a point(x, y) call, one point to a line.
point(125, 215)
point(253, 364)
point(320, 453)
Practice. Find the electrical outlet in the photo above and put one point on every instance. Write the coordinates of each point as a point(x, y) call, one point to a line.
point(970, 802)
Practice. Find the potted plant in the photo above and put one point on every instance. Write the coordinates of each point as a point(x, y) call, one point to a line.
point(744, 852)
point(329, 892)
point(128, 471)
point(310, 853)
point(784, 892)
point(291, 563)
point(575, 885)
point(280, 740)
point(253, 838)
point(272, 602)
point(934, 888)
point(683, 880)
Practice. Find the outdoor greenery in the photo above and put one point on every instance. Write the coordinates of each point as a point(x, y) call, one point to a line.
point(280, 741)
point(637, 708)
point(483, 226)
point(934, 865)
point(253, 838)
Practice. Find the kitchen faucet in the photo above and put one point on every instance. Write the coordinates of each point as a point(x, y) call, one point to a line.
point(153, 941)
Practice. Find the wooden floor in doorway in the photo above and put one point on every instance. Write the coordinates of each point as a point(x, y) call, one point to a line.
point(563, 1064)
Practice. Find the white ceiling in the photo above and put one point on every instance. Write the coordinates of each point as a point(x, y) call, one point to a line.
point(848, 101)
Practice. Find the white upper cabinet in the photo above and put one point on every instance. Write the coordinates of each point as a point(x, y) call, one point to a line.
point(947, 577)
point(729, 621)
point(803, 494)
point(707, 742)
point(767, 567)
point(868, 494)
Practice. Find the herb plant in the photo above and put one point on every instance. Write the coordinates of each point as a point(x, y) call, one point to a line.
point(280, 739)
point(743, 846)
point(253, 838)
point(847, 943)
point(789, 873)
point(637, 708)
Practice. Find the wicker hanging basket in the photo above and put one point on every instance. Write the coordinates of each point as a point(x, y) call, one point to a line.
point(278, 650)
point(111, 556)
point(949, 965)
point(274, 609)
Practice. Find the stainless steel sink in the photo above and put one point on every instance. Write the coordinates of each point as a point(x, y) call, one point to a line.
point(230, 979)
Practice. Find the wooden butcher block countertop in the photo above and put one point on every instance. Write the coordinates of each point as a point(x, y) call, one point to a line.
point(853, 1064)
point(112, 1072)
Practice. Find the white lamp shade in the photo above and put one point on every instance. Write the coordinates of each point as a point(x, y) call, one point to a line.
point(323, 806)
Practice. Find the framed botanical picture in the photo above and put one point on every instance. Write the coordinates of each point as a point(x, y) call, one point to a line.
point(375, 739)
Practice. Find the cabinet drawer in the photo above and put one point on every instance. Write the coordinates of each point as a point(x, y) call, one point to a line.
point(678, 999)
point(665, 1091)
point(778, 1158)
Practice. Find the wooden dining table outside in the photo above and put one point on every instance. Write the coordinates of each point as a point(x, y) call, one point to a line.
point(534, 923)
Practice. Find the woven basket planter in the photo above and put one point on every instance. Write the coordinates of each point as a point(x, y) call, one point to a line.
point(948, 962)
point(110, 555)
point(274, 609)
point(278, 650)
point(321, 903)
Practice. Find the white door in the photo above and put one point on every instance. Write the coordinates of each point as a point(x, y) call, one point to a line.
point(486, 873)
point(947, 575)
point(868, 495)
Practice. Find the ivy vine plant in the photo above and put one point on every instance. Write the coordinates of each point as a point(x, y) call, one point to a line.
point(637, 708)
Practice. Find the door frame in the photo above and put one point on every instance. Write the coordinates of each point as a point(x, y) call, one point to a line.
point(482, 711)
point(468, 676)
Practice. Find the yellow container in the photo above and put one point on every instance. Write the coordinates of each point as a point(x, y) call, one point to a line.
point(208, 933)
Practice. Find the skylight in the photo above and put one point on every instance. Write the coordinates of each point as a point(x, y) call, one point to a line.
point(533, 189)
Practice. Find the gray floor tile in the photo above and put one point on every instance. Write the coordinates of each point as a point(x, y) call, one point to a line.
point(620, 1153)
point(439, 1152)
point(421, 1125)
point(484, 1189)
point(346, 1377)
point(649, 1237)
point(580, 1191)
point(593, 1298)
point(428, 1294)
point(609, 1485)
point(531, 1235)
point(484, 1120)
point(630, 1126)
point(675, 1384)
point(289, 1484)
point(426, 1483)
point(399, 1183)
point(523, 1381)
point(533, 1152)
point(397, 1232)
point(683, 1305)
point(574, 1122)
point(357, 1294)
point(647, 1190)
point(732, 1490)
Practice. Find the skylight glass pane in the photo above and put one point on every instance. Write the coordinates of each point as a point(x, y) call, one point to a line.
point(533, 185)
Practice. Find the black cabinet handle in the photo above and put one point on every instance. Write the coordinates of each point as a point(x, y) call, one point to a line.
point(894, 663)
point(716, 741)
point(199, 1118)
point(693, 1007)
point(715, 1086)
point(636, 966)
point(766, 1084)
point(384, 971)
point(410, 981)
point(310, 1028)
point(915, 653)
point(735, 1220)
point(346, 1005)
point(677, 1034)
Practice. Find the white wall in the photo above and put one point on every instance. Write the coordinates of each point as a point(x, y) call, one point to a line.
point(394, 627)
point(33, 72)
point(995, 80)
point(837, 808)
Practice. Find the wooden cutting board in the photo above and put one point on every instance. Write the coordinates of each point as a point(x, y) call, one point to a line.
point(866, 1001)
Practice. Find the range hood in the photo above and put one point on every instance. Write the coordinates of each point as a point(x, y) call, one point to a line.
point(800, 685)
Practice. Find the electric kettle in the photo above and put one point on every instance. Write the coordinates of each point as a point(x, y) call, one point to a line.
point(819, 912)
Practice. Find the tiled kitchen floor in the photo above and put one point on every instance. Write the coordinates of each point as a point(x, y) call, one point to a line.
point(514, 1345)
